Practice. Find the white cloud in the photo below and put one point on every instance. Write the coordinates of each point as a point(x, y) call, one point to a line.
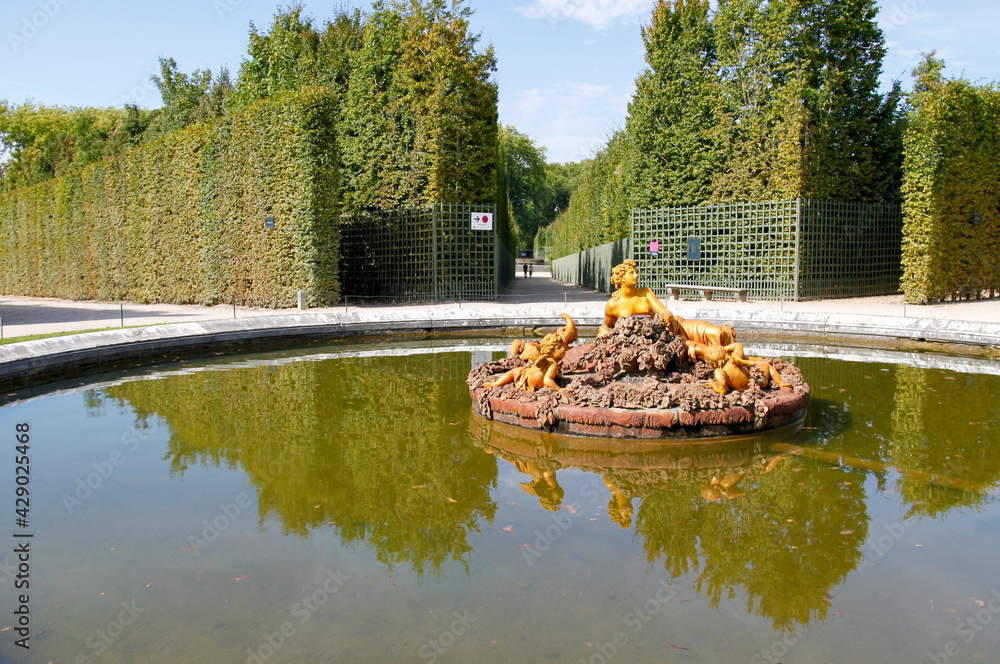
point(598, 13)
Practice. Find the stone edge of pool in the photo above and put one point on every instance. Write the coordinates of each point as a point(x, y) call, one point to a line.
point(40, 359)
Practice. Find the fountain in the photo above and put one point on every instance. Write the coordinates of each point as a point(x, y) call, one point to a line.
point(649, 374)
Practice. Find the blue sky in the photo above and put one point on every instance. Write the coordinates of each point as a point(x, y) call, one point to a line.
point(567, 68)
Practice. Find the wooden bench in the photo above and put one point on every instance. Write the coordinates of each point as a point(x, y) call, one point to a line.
point(706, 291)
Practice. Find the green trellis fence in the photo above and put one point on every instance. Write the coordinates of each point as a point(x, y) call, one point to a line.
point(777, 250)
point(428, 253)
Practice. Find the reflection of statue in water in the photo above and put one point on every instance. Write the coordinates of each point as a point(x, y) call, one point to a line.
point(620, 505)
point(723, 488)
point(542, 372)
point(543, 484)
point(629, 299)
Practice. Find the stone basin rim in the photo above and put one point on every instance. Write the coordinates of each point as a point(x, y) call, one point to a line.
point(43, 360)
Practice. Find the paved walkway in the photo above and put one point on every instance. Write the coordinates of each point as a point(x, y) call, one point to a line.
point(23, 316)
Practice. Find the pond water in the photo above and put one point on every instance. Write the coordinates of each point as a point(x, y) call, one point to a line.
point(343, 503)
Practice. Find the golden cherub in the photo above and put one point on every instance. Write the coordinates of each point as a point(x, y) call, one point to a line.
point(629, 299)
point(543, 370)
point(529, 351)
point(732, 371)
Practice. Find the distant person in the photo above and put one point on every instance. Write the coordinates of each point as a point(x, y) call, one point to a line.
point(531, 270)
point(525, 266)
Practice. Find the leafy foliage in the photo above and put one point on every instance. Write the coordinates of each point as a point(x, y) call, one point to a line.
point(43, 142)
point(760, 100)
point(181, 219)
point(392, 109)
point(951, 173)
point(672, 115)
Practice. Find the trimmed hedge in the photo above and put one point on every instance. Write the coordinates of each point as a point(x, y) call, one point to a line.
point(182, 219)
point(951, 173)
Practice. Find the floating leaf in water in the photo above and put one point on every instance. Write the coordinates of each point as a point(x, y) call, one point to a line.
point(570, 508)
point(240, 577)
point(316, 507)
point(676, 647)
point(419, 486)
point(836, 613)
point(451, 500)
point(846, 532)
point(509, 529)
point(149, 585)
point(978, 601)
point(524, 546)
point(454, 424)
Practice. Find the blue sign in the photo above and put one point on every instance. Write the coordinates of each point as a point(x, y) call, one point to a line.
point(694, 249)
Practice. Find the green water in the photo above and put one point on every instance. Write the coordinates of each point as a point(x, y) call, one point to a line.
point(344, 505)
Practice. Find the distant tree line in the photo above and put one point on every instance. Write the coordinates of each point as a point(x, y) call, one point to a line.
point(757, 100)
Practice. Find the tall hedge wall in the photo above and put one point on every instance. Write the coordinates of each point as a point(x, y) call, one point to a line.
point(951, 174)
point(182, 219)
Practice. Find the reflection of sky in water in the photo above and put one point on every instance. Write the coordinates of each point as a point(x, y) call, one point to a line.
point(232, 498)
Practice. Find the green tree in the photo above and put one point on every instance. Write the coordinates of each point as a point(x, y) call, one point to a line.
point(42, 142)
point(419, 116)
point(528, 190)
point(672, 114)
point(188, 98)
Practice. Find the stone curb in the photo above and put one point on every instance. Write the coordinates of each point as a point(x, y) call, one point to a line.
point(33, 361)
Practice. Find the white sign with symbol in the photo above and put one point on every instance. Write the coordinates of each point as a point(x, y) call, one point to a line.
point(482, 221)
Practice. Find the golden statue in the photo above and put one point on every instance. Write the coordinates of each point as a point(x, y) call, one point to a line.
point(529, 351)
point(706, 333)
point(629, 299)
point(731, 370)
point(543, 370)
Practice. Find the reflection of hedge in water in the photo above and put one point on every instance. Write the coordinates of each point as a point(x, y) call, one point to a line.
point(929, 433)
point(940, 424)
point(780, 542)
point(353, 436)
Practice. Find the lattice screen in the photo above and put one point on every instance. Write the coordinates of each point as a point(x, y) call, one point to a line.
point(850, 249)
point(422, 254)
point(776, 250)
